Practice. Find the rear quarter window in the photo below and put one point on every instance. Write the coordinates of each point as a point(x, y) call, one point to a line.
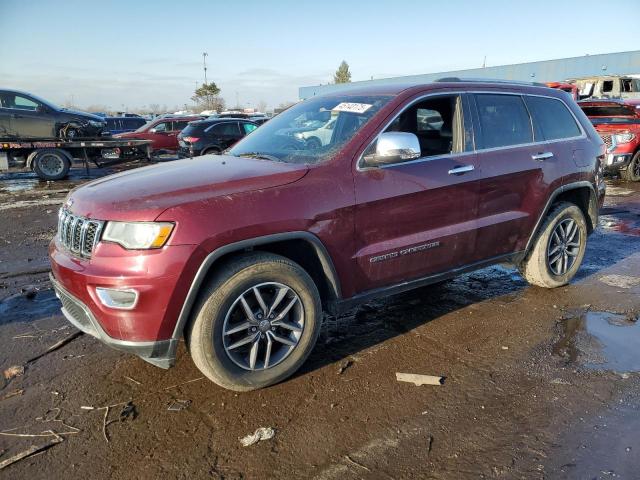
point(552, 118)
point(504, 120)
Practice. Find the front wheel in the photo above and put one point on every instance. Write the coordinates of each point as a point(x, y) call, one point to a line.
point(632, 173)
point(558, 249)
point(256, 322)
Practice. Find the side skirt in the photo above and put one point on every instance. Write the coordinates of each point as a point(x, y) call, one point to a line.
point(343, 305)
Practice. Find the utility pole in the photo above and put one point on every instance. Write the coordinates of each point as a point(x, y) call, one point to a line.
point(204, 63)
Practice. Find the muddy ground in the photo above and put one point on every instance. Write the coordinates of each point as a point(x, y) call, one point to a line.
point(540, 384)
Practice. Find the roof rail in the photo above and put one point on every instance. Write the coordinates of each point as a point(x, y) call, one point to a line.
point(488, 80)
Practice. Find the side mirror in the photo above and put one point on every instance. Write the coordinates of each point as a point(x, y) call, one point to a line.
point(41, 109)
point(394, 147)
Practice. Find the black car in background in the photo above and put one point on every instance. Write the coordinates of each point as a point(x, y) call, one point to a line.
point(124, 124)
point(24, 116)
point(257, 118)
point(212, 135)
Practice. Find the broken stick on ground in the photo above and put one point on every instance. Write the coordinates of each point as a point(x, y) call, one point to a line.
point(30, 451)
point(418, 379)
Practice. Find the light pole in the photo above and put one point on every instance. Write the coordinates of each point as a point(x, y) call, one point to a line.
point(204, 64)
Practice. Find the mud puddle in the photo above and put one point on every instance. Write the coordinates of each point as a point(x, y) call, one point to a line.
point(21, 308)
point(601, 340)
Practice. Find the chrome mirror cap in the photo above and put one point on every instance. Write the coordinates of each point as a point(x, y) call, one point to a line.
point(393, 147)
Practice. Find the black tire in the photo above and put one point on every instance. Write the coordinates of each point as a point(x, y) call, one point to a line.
point(537, 267)
point(206, 339)
point(313, 143)
point(210, 151)
point(632, 173)
point(51, 164)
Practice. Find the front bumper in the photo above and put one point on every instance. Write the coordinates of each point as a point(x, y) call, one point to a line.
point(159, 353)
point(614, 162)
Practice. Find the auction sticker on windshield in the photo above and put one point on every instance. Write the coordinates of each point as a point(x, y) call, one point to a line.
point(352, 107)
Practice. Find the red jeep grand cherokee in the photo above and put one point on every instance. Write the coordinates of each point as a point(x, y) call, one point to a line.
point(618, 123)
point(242, 253)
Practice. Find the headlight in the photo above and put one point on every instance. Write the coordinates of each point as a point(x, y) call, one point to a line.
point(138, 235)
point(96, 124)
point(623, 137)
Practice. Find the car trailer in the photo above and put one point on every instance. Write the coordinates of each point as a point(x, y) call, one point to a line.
point(52, 159)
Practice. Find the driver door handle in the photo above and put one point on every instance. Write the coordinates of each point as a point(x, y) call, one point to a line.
point(542, 156)
point(459, 170)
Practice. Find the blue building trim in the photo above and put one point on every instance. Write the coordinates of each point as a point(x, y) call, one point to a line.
point(622, 63)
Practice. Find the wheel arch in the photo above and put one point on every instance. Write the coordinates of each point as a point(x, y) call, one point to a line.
point(582, 194)
point(301, 247)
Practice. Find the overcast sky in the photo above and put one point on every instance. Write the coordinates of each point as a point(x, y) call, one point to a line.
point(125, 53)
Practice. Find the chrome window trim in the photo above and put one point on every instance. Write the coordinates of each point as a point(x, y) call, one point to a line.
point(360, 167)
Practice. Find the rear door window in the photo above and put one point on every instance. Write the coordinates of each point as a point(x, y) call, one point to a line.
point(248, 128)
point(552, 118)
point(227, 129)
point(504, 120)
point(179, 125)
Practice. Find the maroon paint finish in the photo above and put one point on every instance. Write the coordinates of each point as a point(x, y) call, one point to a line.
point(357, 213)
point(167, 140)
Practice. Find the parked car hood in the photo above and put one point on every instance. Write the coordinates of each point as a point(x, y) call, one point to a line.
point(144, 193)
point(83, 115)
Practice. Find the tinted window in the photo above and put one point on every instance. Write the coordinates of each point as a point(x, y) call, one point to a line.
point(113, 124)
point(177, 126)
point(608, 111)
point(227, 128)
point(248, 128)
point(132, 122)
point(552, 118)
point(163, 127)
point(504, 120)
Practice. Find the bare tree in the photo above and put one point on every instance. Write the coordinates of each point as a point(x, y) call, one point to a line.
point(262, 106)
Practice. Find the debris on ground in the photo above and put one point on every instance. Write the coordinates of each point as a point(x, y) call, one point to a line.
point(12, 394)
point(262, 433)
point(418, 379)
point(178, 405)
point(127, 409)
point(12, 372)
point(133, 380)
point(622, 281)
point(346, 364)
point(357, 464)
point(56, 346)
point(29, 291)
point(184, 383)
point(30, 451)
point(128, 412)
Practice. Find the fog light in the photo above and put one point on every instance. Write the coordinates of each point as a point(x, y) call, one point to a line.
point(123, 299)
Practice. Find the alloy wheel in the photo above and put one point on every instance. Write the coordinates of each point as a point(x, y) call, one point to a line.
point(263, 326)
point(564, 246)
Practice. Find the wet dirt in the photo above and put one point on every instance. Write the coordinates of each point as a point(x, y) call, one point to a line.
point(515, 404)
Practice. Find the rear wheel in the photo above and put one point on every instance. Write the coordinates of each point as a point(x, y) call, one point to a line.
point(559, 248)
point(51, 164)
point(632, 173)
point(256, 322)
point(211, 151)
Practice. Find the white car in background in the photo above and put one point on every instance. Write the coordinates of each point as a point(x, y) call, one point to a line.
point(319, 137)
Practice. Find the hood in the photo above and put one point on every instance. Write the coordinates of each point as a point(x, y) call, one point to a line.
point(83, 115)
point(144, 193)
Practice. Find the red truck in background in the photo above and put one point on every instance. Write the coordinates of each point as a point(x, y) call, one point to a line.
point(618, 123)
point(163, 132)
point(570, 88)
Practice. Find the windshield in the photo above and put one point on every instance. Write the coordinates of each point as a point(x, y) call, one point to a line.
point(311, 131)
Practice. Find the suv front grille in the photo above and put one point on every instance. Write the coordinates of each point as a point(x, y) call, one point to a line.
point(79, 235)
point(606, 138)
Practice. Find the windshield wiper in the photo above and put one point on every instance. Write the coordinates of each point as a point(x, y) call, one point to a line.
point(260, 156)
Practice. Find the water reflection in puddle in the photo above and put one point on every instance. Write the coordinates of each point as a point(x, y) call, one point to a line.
point(601, 340)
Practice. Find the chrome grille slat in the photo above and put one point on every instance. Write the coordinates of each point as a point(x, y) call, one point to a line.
point(78, 234)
